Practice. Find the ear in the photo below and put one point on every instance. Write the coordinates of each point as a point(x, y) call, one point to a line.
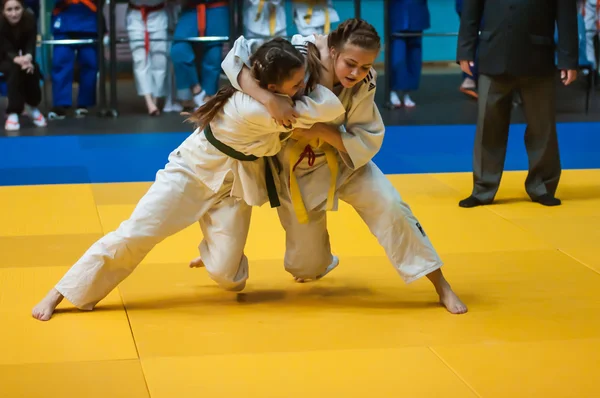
point(272, 87)
point(333, 53)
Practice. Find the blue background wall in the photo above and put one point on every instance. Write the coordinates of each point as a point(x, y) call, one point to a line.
point(443, 20)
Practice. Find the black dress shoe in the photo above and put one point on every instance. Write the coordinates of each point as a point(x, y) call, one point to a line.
point(471, 201)
point(547, 200)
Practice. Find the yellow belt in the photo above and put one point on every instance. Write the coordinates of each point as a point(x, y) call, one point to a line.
point(272, 16)
point(297, 153)
point(309, 12)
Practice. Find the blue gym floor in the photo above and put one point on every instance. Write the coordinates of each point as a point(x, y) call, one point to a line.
point(137, 157)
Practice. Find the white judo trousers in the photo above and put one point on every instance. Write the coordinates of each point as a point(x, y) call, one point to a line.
point(176, 200)
point(390, 219)
point(150, 64)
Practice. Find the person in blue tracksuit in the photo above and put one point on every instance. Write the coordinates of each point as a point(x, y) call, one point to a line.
point(469, 84)
point(199, 18)
point(74, 19)
point(407, 16)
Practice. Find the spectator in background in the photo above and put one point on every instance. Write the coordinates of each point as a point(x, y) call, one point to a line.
point(171, 104)
point(264, 19)
point(469, 84)
point(199, 18)
point(147, 25)
point(18, 35)
point(314, 16)
point(406, 53)
point(74, 19)
point(517, 52)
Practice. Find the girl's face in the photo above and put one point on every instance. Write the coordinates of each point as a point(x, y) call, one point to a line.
point(352, 64)
point(13, 11)
point(292, 85)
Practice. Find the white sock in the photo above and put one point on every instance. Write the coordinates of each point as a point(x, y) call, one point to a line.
point(13, 117)
point(199, 98)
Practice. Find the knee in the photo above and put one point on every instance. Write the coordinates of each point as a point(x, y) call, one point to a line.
point(307, 266)
point(228, 271)
point(181, 53)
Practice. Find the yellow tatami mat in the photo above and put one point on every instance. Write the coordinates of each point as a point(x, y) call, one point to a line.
point(529, 274)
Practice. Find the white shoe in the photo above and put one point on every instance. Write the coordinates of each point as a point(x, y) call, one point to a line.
point(408, 102)
point(395, 100)
point(12, 123)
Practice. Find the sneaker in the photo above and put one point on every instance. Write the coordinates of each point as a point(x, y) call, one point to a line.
point(12, 123)
point(57, 113)
point(81, 113)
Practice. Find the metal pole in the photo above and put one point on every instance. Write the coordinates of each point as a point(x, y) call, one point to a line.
point(113, 57)
point(240, 19)
point(102, 111)
point(44, 52)
point(388, 45)
point(357, 9)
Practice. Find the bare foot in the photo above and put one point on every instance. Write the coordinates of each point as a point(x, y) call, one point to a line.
point(448, 298)
point(335, 263)
point(197, 263)
point(45, 308)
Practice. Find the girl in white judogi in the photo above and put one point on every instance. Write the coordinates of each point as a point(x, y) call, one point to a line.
point(214, 176)
point(264, 19)
point(314, 16)
point(147, 27)
point(331, 163)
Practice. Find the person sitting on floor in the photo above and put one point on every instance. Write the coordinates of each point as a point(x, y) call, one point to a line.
point(18, 34)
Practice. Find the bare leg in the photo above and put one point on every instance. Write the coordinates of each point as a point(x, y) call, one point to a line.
point(448, 298)
point(44, 309)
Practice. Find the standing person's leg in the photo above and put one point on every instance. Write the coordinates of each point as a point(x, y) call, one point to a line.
point(414, 63)
point(176, 200)
point(87, 57)
point(63, 66)
point(399, 69)
point(140, 58)
point(491, 138)
point(158, 24)
point(539, 103)
point(184, 58)
point(398, 231)
point(217, 24)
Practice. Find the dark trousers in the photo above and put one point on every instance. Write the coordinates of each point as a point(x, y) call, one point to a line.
point(494, 109)
point(22, 88)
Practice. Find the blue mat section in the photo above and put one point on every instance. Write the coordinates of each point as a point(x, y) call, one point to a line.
point(137, 157)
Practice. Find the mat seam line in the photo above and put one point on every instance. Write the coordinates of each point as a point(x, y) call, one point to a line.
point(578, 260)
point(137, 351)
point(455, 372)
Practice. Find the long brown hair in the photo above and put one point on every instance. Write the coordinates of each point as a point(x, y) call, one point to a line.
point(357, 32)
point(272, 63)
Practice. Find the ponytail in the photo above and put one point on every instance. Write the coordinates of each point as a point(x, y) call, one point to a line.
point(314, 66)
point(203, 115)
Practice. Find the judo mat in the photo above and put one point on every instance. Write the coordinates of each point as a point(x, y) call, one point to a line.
point(528, 273)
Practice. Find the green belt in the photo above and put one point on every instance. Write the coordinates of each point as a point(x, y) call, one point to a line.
point(232, 153)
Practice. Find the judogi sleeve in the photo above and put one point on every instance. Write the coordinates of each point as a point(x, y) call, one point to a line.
point(237, 57)
point(243, 48)
point(320, 106)
point(363, 131)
